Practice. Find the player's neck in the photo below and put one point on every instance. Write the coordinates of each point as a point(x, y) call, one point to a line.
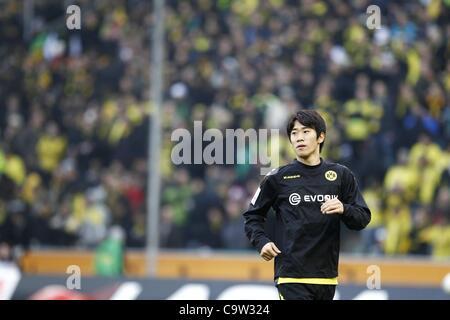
point(312, 160)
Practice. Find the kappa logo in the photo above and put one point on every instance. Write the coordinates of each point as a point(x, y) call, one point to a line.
point(291, 177)
point(331, 175)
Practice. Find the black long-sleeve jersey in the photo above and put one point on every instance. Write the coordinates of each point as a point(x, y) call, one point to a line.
point(308, 240)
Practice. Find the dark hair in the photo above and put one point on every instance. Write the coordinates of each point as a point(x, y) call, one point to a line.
point(309, 118)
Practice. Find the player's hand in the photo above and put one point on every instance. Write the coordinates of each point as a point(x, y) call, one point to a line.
point(269, 251)
point(332, 206)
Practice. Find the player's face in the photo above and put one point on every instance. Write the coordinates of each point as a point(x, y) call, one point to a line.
point(304, 140)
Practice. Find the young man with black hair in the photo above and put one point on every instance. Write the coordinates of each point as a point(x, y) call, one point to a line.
point(310, 197)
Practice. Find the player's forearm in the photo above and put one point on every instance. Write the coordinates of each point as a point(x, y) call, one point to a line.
point(260, 240)
point(356, 217)
point(254, 229)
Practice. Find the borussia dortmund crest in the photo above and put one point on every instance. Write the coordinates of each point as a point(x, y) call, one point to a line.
point(330, 175)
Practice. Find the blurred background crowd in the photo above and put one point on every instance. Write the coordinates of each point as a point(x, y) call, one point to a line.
point(74, 109)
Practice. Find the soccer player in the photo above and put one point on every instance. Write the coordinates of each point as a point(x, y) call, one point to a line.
point(310, 197)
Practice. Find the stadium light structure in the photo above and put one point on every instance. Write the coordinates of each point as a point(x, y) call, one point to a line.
point(154, 141)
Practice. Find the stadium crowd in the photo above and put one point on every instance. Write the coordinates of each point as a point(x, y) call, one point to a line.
point(74, 116)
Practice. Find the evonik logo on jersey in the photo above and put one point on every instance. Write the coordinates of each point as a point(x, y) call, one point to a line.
point(295, 198)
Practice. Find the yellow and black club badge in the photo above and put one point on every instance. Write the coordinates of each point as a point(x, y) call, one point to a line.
point(330, 175)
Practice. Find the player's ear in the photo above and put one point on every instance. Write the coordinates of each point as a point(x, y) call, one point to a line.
point(321, 137)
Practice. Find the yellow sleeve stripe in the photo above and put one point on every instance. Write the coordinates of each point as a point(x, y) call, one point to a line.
point(332, 281)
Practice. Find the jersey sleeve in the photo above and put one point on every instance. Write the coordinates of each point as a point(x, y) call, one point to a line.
point(356, 214)
point(256, 214)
